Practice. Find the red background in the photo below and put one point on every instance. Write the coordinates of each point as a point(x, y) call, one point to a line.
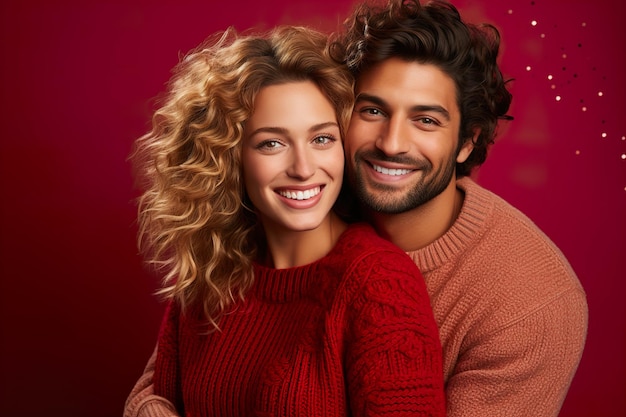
point(77, 318)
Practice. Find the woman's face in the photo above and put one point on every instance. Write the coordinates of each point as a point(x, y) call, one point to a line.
point(292, 157)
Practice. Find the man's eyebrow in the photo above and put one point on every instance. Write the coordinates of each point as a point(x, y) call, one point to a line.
point(372, 99)
point(417, 108)
point(432, 108)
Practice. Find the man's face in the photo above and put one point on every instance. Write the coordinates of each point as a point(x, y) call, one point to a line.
point(401, 145)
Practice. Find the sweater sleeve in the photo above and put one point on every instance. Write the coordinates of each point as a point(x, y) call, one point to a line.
point(142, 402)
point(524, 368)
point(393, 353)
point(159, 383)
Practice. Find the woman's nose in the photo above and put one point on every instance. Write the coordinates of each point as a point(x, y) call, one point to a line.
point(302, 165)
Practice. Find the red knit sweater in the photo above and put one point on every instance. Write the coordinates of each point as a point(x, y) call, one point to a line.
point(351, 334)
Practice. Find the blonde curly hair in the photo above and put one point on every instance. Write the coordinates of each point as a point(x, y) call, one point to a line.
point(192, 215)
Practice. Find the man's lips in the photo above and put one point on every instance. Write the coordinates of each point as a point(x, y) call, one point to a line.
point(390, 171)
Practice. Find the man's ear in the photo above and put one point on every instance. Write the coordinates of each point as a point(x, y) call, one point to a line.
point(467, 148)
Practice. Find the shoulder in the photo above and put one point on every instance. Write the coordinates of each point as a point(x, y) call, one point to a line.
point(512, 265)
point(373, 265)
point(510, 238)
point(360, 245)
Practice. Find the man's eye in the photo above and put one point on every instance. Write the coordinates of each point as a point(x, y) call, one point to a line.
point(428, 121)
point(370, 112)
point(373, 112)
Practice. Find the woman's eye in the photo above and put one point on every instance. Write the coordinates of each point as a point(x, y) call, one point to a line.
point(269, 144)
point(323, 140)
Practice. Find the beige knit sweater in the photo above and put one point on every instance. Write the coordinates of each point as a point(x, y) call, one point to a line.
point(512, 314)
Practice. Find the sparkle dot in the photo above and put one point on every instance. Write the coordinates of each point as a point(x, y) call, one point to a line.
point(543, 35)
point(623, 137)
point(584, 108)
point(624, 156)
point(600, 93)
point(553, 86)
point(564, 56)
point(510, 11)
point(534, 23)
point(528, 68)
point(584, 24)
point(604, 135)
point(577, 152)
point(558, 98)
point(550, 77)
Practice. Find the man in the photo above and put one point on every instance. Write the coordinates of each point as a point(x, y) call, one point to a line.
point(511, 312)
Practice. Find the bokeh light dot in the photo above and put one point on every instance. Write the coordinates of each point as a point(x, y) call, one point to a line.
point(577, 152)
point(534, 23)
point(543, 35)
point(558, 98)
point(550, 77)
point(510, 11)
point(528, 68)
point(604, 135)
point(623, 137)
point(584, 108)
point(624, 156)
point(564, 56)
point(584, 24)
point(553, 86)
point(600, 93)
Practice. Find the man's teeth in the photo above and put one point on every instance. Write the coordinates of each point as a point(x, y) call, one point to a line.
point(301, 195)
point(388, 171)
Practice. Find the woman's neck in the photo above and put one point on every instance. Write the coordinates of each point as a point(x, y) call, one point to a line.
point(288, 248)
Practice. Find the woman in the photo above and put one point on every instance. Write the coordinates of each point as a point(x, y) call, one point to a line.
point(277, 305)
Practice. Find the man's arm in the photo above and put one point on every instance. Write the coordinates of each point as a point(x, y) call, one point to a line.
point(142, 402)
point(526, 367)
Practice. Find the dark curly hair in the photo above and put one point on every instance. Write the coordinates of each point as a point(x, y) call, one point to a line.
point(434, 33)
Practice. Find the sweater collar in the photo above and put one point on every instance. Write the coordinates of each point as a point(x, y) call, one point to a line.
point(468, 227)
point(306, 281)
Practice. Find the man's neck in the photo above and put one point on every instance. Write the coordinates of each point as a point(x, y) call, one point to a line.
point(419, 227)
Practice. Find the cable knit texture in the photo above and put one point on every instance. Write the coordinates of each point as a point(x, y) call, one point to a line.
point(511, 312)
point(351, 334)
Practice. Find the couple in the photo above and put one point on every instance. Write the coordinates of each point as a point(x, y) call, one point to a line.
point(283, 301)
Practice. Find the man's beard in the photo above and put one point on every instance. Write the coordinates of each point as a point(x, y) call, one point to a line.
point(389, 199)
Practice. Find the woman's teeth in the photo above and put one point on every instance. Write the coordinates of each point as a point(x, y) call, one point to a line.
point(300, 195)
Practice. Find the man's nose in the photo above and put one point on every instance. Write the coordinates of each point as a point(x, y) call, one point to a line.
point(394, 139)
